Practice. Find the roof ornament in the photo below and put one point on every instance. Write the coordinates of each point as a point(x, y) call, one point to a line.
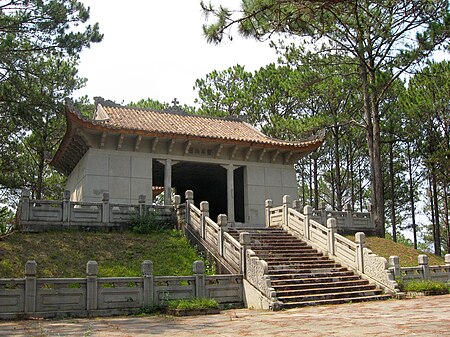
point(175, 108)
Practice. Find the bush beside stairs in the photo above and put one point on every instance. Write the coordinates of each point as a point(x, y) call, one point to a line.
point(302, 276)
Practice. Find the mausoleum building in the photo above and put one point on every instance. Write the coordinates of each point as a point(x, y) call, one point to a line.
point(129, 151)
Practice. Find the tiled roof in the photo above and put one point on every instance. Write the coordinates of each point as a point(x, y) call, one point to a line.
point(173, 123)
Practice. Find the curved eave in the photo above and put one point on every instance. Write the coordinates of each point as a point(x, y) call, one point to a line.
point(73, 146)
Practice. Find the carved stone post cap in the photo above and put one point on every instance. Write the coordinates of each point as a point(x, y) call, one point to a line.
point(447, 258)
point(394, 261)
point(66, 195)
point(147, 268)
point(92, 268)
point(296, 204)
point(422, 259)
point(222, 220)
point(30, 268)
point(286, 199)
point(347, 207)
point(177, 199)
point(105, 196)
point(199, 267)
point(142, 198)
point(244, 238)
point(269, 203)
point(331, 223)
point(26, 193)
point(307, 210)
point(322, 205)
point(204, 206)
point(360, 238)
point(189, 194)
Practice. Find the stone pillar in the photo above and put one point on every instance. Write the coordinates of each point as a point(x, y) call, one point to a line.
point(222, 222)
point(360, 240)
point(331, 231)
point(168, 182)
point(268, 206)
point(394, 263)
point(296, 205)
point(244, 240)
point(286, 202)
point(91, 287)
point(423, 263)
point(105, 208)
point(66, 206)
point(141, 201)
point(30, 287)
point(323, 213)
point(189, 195)
point(147, 275)
point(447, 259)
point(177, 208)
point(230, 193)
point(348, 216)
point(25, 205)
point(307, 210)
point(199, 273)
point(204, 209)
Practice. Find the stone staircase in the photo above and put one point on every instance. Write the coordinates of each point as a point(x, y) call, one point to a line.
point(302, 276)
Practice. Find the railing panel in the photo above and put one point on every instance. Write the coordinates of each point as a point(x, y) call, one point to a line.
point(195, 216)
point(296, 222)
point(12, 295)
point(318, 235)
point(85, 212)
point(123, 292)
point(45, 210)
point(276, 216)
point(212, 233)
point(167, 288)
point(58, 294)
point(440, 273)
point(224, 288)
point(122, 212)
point(231, 250)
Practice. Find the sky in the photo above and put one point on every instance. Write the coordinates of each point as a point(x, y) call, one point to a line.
point(156, 49)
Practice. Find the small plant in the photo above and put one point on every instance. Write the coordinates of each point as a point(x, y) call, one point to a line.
point(149, 223)
point(424, 286)
point(193, 303)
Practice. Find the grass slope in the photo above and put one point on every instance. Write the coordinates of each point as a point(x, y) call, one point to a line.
point(65, 254)
point(408, 256)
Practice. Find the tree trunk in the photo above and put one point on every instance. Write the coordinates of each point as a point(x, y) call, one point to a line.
point(436, 225)
point(411, 197)
point(337, 169)
point(316, 182)
point(392, 190)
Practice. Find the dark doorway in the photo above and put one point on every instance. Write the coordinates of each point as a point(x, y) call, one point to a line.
point(239, 195)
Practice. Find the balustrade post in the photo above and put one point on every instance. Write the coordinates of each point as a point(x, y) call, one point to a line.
point(447, 259)
point(105, 208)
point(66, 206)
point(222, 222)
point(323, 213)
point(268, 206)
point(296, 205)
point(360, 240)
point(204, 209)
point(199, 273)
point(244, 240)
point(348, 216)
point(147, 275)
point(423, 264)
point(177, 208)
point(91, 285)
point(189, 195)
point(331, 231)
point(25, 205)
point(307, 210)
point(286, 202)
point(141, 201)
point(394, 263)
point(30, 287)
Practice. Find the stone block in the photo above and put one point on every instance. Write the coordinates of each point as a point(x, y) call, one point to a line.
point(119, 165)
point(141, 167)
point(273, 177)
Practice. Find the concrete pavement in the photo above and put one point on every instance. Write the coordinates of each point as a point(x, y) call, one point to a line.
point(425, 316)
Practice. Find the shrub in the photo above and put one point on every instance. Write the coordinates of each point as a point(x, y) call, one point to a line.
point(419, 286)
point(149, 223)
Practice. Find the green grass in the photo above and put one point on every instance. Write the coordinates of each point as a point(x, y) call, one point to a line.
point(407, 255)
point(420, 286)
point(65, 254)
point(193, 303)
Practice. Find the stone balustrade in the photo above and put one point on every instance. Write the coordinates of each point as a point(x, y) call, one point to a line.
point(422, 272)
point(41, 215)
point(31, 296)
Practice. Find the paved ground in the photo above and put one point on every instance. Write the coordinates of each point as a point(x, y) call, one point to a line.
point(426, 316)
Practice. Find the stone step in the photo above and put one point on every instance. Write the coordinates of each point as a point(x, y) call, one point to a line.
point(381, 297)
point(312, 281)
point(292, 257)
point(331, 295)
point(311, 271)
point(334, 289)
